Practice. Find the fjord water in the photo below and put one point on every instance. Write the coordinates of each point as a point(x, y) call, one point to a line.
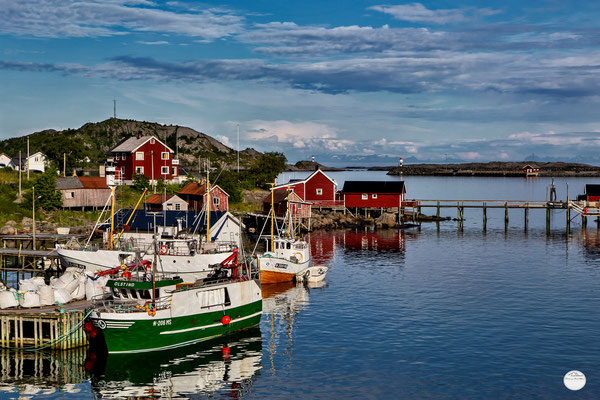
point(429, 312)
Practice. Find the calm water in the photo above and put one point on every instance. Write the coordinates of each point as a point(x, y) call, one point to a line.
point(423, 313)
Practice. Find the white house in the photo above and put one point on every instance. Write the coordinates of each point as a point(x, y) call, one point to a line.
point(35, 162)
point(5, 160)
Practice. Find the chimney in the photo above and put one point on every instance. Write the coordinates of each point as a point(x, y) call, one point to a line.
point(139, 134)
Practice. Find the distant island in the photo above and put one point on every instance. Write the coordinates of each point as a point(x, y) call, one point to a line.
point(495, 168)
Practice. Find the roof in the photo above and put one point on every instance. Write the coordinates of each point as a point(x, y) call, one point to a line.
point(93, 182)
point(592, 190)
point(297, 181)
point(530, 166)
point(81, 182)
point(133, 143)
point(4, 154)
point(24, 156)
point(396, 187)
point(143, 220)
point(282, 195)
point(196, 189)
point(158, 199)
point(68, 182)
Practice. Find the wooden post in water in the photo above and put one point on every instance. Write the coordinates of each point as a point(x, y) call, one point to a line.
point(526, 216)
point(484, 217)
point(505, 215)
point(568, 217)
point(437, 214)
point(583, 222)
point(547, 218)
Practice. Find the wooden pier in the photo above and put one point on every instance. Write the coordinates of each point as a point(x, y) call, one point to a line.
point(43, 327)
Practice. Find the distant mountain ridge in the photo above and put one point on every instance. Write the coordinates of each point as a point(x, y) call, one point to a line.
point(97, 138)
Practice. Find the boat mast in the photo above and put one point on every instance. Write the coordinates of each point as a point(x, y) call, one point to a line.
point(112, 217)
point(272, 214)
point(207, 201)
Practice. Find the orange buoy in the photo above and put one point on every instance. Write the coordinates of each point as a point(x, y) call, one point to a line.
point(225, 320)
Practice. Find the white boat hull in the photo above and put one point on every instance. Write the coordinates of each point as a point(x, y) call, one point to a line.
point(190, 268)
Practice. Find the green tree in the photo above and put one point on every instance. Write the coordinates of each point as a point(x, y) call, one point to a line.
point(266, 167)
point(140, 182)
point(229, 181)
point(46, 194)
point(161, 184)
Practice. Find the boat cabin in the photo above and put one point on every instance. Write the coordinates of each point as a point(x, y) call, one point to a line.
point(128, 290)
point(291, 249)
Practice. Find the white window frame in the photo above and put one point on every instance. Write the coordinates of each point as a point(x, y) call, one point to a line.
point(139, 156)
point(174, 171)
point(117, 157)
point(152, 141)
point(123, 156)
point(319, 191)
point(164, 155)
point(216, 201)
point(374, 196)
point(164, 170)
point(139, 170)
point(365, 196)
point(177, 207)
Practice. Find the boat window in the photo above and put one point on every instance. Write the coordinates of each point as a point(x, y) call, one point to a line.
point(134, 293)
point(227, 298)
point(116, 292)
point(145, 294)
point(289, 245)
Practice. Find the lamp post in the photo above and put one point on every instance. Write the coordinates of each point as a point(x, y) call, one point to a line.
point(33, 188)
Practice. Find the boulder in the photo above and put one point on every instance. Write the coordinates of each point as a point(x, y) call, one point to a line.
point(27, 221)
point(11, 223)
point(7, 230)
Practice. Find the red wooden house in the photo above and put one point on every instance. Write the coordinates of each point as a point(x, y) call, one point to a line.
point(194, 194)
point(318, 188)
point(145, 155)
point(592, 192)
point(375, 194)
point(531, 170)
point(281, 199)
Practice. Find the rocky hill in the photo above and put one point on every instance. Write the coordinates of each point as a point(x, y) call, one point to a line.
point(95, 139)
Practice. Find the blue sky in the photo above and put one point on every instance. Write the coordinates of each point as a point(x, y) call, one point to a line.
point(344, 80)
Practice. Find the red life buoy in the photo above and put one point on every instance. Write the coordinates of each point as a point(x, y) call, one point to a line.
point(163, 249)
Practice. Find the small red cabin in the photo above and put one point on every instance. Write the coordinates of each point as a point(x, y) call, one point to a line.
point(531, 170)
point(318, 188)
point(372, 194)
point(193, 193)
point(592, 192)
point(281, 199)
point(145, 155)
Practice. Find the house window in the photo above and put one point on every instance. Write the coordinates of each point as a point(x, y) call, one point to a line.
point(374, 196)
point(178, 207)
point(164, 155)
point(164, 170)
point(72, 195)
point(299, 206)
point(116, 157)
point(216, 201)
point(319, 191)
point(174, 171)
point(123, 156)
point(122, 171)
point(139, 170)
point(139, 155)
point(365, 196)
point(152, 141)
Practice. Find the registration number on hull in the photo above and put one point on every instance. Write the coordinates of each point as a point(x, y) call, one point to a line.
point(162, 322)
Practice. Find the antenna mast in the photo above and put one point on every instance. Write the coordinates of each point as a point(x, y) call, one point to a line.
point(114, 108)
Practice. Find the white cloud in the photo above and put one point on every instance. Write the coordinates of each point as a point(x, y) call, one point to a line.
point(225, 140)
point(417, 12)
point(92, 18)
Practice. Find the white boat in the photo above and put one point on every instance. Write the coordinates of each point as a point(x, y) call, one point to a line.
point(287, 257)
point(312, 274)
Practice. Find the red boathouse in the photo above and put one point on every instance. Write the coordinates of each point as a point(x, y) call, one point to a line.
point(373, 194)
point(318, 189)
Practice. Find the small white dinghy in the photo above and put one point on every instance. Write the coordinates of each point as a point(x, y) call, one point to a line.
point(312, 274)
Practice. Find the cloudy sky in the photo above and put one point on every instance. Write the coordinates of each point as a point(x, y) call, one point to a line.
point(433, 80)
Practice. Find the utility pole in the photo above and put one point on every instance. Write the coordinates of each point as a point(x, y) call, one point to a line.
point(64, 164)
point(33, 189)
point(238, 148)
point(20, 171)
point(27, 159)
point(114, 108)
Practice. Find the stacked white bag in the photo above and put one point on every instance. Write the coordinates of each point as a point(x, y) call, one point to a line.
point(73, 284)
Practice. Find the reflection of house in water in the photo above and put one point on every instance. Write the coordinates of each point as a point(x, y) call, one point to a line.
point(591, 244)
point(388, 240)
point(226, 366)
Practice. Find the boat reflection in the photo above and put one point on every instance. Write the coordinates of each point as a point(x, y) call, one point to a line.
point(323, 244)
point(282, 303)
point(224, 367)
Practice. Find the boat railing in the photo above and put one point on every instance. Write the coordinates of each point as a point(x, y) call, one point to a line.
point(128, 305)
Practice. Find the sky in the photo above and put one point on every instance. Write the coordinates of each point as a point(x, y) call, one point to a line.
point(348, 81)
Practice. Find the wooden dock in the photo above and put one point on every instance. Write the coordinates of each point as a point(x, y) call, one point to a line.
point(47, 327)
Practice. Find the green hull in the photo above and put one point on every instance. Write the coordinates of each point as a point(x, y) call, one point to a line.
point(153, 333)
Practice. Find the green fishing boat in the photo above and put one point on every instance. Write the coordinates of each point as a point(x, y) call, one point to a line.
point(146, 313)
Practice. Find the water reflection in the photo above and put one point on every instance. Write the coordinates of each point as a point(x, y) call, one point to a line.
point(25, 374)
point(323, 244)
point(225, 368)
